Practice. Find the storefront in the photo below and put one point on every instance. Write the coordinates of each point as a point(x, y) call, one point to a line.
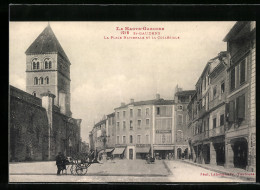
point(119, 152)
point(109, 151)
point(142, 150)
point(163, 151)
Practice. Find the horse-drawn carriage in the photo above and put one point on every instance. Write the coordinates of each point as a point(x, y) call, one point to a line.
point(79, 164)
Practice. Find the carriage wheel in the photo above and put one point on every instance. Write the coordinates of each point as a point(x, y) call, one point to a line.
point(81, 170)
point(73, 169)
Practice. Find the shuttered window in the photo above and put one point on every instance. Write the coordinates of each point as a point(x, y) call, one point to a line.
point(232, 79)
point(214, 123)
point(231, 114)
point(241, 107)
point(221, 119)
point(242, 71)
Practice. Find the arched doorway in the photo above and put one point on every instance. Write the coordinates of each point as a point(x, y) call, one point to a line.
point(179, 153)
point(240, 149)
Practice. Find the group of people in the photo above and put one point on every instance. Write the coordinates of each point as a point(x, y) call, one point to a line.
point(170, 156)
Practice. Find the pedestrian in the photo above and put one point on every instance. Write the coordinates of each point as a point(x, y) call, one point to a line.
point(59, 162)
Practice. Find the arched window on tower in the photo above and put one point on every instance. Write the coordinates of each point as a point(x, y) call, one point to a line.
point(47, 63)
point(35, 80)
point(46, 80)
point(41, 80)
point(38, 65)
point(35, 64)
point(34, 93)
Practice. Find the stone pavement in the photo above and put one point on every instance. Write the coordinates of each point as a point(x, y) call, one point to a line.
point(238, 172)
point(119, 171)
point(111, 168)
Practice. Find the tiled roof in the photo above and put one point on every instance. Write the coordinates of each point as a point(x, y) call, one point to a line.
point(46, 42)
point(111, 115)
point(234, 30)
point(185, 93)
point(150, 102)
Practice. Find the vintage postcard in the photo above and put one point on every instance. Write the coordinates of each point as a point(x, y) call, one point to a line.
point(132, 101)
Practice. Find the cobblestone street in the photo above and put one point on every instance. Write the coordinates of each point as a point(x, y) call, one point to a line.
point(119, 171)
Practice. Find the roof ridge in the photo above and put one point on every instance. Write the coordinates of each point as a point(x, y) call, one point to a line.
point(46, 42)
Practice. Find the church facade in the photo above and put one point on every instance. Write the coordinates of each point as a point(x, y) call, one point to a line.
point(40, 119)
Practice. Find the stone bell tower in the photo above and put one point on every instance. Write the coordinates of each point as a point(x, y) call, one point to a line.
point(48, 69)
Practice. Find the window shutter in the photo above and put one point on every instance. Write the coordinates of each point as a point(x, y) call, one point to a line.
point(241, 107)
point(227, 111)
point(231, 113)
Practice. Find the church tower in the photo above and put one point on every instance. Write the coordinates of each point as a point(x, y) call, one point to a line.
point(48, 70)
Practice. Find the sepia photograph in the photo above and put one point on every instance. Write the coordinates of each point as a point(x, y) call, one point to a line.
point(132, 101)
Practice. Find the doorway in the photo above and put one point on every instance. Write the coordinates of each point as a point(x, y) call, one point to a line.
point(220, 153)
point(240, 149)
point(131, 154)
point(179, 153)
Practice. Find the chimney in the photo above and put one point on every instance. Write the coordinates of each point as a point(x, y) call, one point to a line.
point(132, 100)
point(157, 96)
point(122, 103)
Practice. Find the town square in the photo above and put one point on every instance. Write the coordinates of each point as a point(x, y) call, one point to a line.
point(132, 102)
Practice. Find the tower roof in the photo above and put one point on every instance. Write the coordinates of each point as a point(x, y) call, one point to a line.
point(46, 42)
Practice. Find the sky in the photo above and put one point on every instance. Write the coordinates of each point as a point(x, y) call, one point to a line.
point(105, 72)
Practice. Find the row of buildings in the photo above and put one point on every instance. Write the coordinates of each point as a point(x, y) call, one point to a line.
point(157, 127)
point(222, 111)
point(213, 124)
point(40, 120)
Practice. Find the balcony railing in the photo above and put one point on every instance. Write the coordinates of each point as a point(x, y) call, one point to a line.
point(216, 101)
point(202, 136)
point(217, 131)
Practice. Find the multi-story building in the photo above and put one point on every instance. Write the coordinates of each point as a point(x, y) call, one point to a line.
point(144, 127)
point(240, 146)
point(110, 132)
point(99, 136)
point(133, 128)
point(222, 112)
point(181, 99)
point(206, 112)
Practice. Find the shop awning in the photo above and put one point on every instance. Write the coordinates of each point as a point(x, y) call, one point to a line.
point(163, 148)
point(118, 150)
point(109, 150)
point(142, 149)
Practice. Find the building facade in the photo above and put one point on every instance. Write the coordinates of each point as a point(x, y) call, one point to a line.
point(241, 129)
point(145, 127)
point(40, 122)
point(110, 131)
point(222, 111)
point(99, 136)
point(181, 99)
point(206, 112)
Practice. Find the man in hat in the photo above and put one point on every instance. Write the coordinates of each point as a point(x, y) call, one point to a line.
point(59, 162)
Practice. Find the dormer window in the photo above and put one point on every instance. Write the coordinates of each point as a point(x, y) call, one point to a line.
point(35, 64)
point(47, 63)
